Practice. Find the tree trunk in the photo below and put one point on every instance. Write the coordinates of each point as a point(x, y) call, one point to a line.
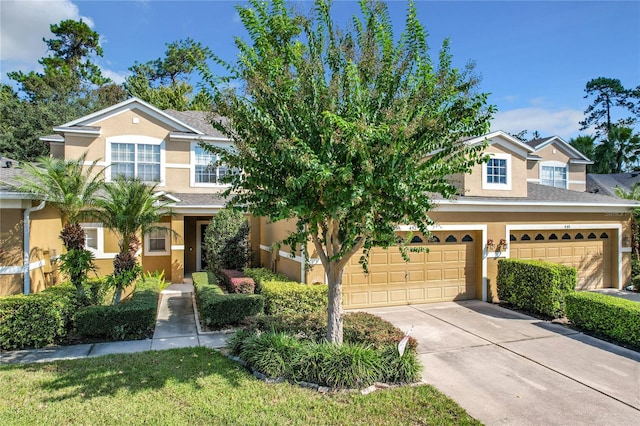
point(334, 311)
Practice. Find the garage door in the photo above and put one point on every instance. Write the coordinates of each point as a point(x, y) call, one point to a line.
point(589, 251)
point(451, 270)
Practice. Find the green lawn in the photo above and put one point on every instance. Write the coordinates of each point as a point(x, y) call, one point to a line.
point(197, 386)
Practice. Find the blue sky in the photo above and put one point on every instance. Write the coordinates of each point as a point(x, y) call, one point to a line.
point(534, 57)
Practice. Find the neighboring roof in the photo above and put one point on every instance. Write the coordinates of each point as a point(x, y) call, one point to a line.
point(9, 175)
point(606, 183)
point(538, 144)
point(201, 200)
point(542, 197)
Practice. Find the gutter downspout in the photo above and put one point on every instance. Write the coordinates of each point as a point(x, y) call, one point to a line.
point(26, 258)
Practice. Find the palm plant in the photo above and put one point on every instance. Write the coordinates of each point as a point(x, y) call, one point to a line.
point(70, 189)
point(66, 184)
point(130, 208)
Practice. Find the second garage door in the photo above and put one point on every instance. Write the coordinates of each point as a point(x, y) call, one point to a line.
point(451, 270)
point(589, 251)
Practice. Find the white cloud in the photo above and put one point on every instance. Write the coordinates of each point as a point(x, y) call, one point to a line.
point(116, 76)
point(23, 24)
point(563, 123)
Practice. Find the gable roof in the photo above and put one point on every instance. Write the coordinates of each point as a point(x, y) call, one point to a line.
point(200, 120)
point(86, 123)
point(538, 144)
point(499, 134)
point(606, 183)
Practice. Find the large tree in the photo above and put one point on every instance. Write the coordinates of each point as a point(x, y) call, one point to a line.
point(609, 94)
point(71, 85)
point(165, 82)
point(348, 133)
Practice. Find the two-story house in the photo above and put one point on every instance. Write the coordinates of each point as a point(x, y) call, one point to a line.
point(527, 201)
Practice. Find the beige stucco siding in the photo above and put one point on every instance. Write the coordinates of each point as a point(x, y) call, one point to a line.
point(473, 182)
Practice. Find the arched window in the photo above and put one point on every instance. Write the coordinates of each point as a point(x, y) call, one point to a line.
point(416, 240)
point(553, 237)
point(525, 237)
point(566, 236)
point(579, 236)
point(467, 238)
point(512, 237)
point(451, 239)
point(539, 237)
point(604, 236)
point(434, 239)
point(592, 236)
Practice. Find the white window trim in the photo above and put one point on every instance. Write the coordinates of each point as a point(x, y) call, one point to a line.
point(192, 167)
point(555, 164)
point(99, 252)
point(497, 186)
point(136, 140)
point(167, 242)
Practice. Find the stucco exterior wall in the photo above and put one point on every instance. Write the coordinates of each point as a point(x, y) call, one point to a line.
point(473, 182)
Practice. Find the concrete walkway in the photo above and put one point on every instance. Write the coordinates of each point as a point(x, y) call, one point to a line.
point(176, 327)
point(506, 368)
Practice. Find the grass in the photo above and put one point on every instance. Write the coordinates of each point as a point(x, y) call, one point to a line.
point(194, 386)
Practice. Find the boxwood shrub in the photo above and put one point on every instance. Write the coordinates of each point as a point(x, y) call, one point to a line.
point(133, 318)
point(218, 309)
point(263, 275)
point(294, 298)
point(611, 316)
point(36, 320)
point(536, 286)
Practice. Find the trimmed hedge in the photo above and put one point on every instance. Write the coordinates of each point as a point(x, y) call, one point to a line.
point(611, 316)
point(237, 282)
point(263, 275)
point(218, 309)
point(294, 298)
point(132, 319)
point(36, 320)
point(536, 286)
point(359, 328)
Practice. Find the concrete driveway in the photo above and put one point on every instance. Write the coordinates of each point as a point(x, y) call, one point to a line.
point(506, 368)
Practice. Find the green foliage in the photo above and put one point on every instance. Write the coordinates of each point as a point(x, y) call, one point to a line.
point(609, 94)
point(132, 319)
point(36, 320)
point(164, 82)
point(68, 185)
point(225, 241)
point(349, 132)
point(359, 327)
point(294, 298)
point(76, 264)
point(350, 365)
point(614, 317)
point(536, 286)
point(218, 309)
point(263, 275)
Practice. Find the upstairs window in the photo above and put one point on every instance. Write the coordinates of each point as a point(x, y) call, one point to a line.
point(553, 175)
point(206, 169)
point(141, 160)
point(496, 173)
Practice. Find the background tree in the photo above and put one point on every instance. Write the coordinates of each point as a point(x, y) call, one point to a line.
point(165, 82)
point(585, 144)
point(348, 133)
point(130, 208)
point(70, 86)
point(226, 241)
point(609, 94)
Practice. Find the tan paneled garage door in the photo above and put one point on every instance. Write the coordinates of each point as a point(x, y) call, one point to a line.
point(451, 270)
point(589, 251)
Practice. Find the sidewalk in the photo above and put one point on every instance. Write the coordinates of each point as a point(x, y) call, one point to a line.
point(176, 327)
